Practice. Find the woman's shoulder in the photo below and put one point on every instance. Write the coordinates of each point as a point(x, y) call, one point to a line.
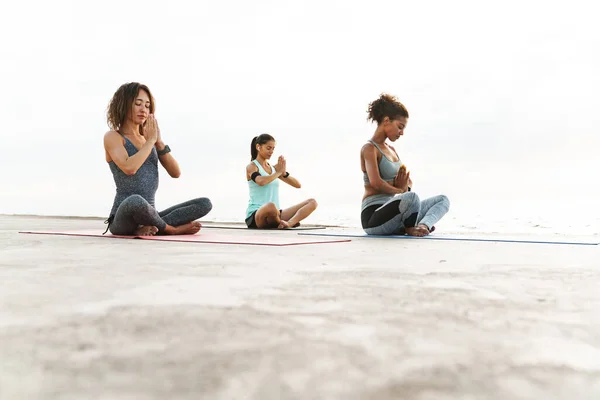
point(113, 135)
point(251, 167)
point(368, 147)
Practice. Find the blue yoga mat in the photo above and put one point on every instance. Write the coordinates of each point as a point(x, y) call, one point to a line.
point(434, 237)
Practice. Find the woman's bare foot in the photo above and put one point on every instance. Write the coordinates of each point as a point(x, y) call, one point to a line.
point(185, 229)
point(145, 230)
point(283, 225)
point(419, 230)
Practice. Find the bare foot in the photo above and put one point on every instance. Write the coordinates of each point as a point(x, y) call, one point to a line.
point(283, 225)
point(419, 230)
point(145, 230)
point(186, 229)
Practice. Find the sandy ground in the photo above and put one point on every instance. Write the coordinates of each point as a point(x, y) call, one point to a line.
point(97, 318)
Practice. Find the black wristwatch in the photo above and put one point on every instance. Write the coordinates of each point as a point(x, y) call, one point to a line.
point(164, 151)
point(286, 175)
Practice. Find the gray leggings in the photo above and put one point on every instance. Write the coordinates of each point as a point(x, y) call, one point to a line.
point(403, 211)
point(135, 211)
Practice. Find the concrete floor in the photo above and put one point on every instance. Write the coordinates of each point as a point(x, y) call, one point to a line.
point(97, 318)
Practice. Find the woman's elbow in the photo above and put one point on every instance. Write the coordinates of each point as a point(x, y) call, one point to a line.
point(378, 184)
point(129, 171)
point(175, 174)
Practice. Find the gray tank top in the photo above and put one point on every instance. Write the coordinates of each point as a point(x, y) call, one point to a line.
point(144, 182)
point(387, 168)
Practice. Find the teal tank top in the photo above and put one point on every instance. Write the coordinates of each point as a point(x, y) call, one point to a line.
point(260, 195)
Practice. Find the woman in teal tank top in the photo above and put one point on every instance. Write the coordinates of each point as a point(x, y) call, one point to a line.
point(389, 205)
point(263, 211)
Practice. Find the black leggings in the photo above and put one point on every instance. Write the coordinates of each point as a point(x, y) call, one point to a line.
point(135, 211)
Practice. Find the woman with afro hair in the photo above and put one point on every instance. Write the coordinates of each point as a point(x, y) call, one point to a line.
point(389, 206)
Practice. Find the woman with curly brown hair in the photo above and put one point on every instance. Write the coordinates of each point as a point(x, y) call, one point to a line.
point(389, 207)
point(132, 149)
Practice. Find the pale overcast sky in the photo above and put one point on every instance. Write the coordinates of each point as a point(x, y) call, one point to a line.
point(501, 94)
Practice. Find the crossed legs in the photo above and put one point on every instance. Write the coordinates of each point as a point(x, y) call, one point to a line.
point(268, 216)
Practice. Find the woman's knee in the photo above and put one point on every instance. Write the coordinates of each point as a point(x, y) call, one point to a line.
point(312, 203)
point(205, 203)
point(269, 208)
point(135, 199)
point(411, 197)
point(409, 208)
point(444, 200)
point(135, 202)
point(267, 216)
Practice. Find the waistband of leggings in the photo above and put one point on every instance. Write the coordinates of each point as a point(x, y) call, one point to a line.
point(378, 199)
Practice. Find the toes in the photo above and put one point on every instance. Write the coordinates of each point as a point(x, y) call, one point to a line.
point(418, 231)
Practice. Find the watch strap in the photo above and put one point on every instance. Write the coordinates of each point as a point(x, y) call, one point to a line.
point(164, 151)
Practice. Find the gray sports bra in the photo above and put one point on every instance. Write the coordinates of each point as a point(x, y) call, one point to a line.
point(387, 168)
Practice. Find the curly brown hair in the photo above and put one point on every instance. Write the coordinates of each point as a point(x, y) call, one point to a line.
point(386, 106)
point(122, 101)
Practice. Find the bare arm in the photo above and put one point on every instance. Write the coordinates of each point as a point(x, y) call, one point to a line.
point(370, 156)
point(168, 162)
point(290, 180)
point(282, 167)
point(261, 180)
point(402, 179)
point(113, 145)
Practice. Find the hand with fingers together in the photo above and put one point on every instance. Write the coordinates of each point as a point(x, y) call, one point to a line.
point(402, 180)
point(281, 166)
point(151, 131)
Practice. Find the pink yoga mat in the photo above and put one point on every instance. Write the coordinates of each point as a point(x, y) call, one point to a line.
point(210, 237)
